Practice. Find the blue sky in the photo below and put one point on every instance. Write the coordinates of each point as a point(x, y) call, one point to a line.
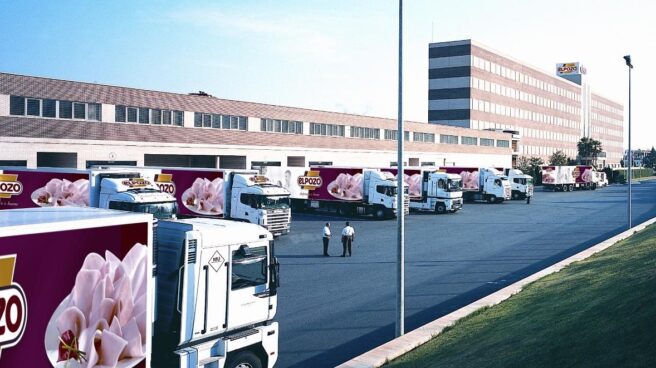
point(332, 55)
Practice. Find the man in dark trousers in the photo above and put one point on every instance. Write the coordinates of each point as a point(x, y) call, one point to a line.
point(348, 235)
point(326, 239)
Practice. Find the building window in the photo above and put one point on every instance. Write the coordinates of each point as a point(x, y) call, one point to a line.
point(93, 112)
point(156, 116)
point(503, 143)
point(119, 115)
point(448, 139)
point(217, 121)
point(365, 133)
point(132, 114)
point(327, 129)
point(487, 142)
point(79, 110)
point(178, 118)
point(281, 126)
point(166, 117)
point(472, 141)
point(207, 121)
point(423, 137)
point(49, 108)
point(33, 107)
point(65, 109)
point(144, 115)
point(16, 105)
point(391, 135)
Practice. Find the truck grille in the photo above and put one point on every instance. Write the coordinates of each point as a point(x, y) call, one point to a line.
point(277, 221)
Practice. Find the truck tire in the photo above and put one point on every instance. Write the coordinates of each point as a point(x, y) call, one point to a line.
point(491, 199)
point(516, 195)
point(244, 359)
point(379, 213)
point(570, 188)
point(440, 208)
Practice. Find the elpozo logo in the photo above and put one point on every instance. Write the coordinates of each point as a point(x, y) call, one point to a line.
point(165, 183)
point(136, 183)
point(310, 181)
point(10, 186)
point(13, 317)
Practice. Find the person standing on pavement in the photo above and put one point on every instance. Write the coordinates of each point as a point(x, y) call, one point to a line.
point(348, 235)
point(326, 239)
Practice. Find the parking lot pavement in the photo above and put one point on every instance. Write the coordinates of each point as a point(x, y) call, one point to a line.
point(332, 308)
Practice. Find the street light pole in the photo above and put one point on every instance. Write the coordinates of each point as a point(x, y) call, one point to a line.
point(627, 58)
point(400, 205)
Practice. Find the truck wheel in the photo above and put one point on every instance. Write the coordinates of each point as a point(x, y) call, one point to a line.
point(379, 213)
point(570, 188)
point(440, 208)
point(516, 195)
point(491, 199)
point(244, 359)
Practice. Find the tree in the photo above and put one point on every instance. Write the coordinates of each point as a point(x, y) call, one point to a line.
point(530, 166)
point(558, 158)
point(589, 149)
point(650, 159)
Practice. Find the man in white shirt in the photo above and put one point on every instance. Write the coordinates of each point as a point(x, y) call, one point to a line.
point(348, 235)
point(326, 239)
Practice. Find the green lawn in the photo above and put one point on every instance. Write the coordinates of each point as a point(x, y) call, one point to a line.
point(600, 312)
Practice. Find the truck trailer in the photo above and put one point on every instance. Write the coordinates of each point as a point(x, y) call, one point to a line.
point(569, 178)
point(482, 183)
point(232, 194)
point(347, 191)
point(203, 296)
point(432, 189)
point(117, 188)
point(520, 183)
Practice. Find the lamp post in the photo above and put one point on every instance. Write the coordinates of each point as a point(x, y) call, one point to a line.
point(627, 59)
point(400, 205)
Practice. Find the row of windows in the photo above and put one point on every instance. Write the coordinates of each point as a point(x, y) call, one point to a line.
point(547, 151)
point(366, 133)
point(546, 134)
point(47, 108)
point(602, 106)
point(281, 126)
point(608, 120)
point(448, 139)
point(327, 129)
point(607, 131)
point(471, 141)
point(525, 79)
point(487, 142)
point(515, 112)
point(499, 89)
point(216, 121)
point(144, 115)
point(391, 134)
point(423, 137)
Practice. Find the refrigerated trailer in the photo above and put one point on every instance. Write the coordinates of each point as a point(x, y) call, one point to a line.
point(482, 183)
point(345, 190)
point(569, 178)
point(432, 189)
point(203, 296)
point(124, 189)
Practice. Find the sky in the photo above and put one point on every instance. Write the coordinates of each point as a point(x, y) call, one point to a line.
point(334, 55)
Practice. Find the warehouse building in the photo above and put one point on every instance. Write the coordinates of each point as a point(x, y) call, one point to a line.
point(58, 123)
point(473, 86)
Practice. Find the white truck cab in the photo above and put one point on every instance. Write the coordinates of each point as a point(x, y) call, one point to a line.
point(521, 184)
point(135, 194)
point(495, 186)
point(440, 192)
point(253, 198)
point(216, 298)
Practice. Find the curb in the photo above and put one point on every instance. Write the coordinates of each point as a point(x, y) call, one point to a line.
point(401, 345)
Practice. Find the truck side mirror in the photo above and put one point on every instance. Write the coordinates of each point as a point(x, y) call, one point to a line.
point(274, 271)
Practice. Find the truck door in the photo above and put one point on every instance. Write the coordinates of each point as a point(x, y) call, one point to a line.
point(248, 300)
point(205, 281)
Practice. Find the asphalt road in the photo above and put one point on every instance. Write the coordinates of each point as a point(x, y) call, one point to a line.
point(333, 309)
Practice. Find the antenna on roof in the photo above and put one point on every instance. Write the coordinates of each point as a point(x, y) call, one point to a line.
point(200, 93)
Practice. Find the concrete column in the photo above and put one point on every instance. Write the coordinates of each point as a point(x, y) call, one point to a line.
point(254, 124)
point(188, 119)
point(108, 113)
point(4, 105)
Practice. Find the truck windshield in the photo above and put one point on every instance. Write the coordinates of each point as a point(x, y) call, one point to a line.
point(529, 181)
point(273, 202)
point(455, 185)
point(159, 210)
point(249, 269)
